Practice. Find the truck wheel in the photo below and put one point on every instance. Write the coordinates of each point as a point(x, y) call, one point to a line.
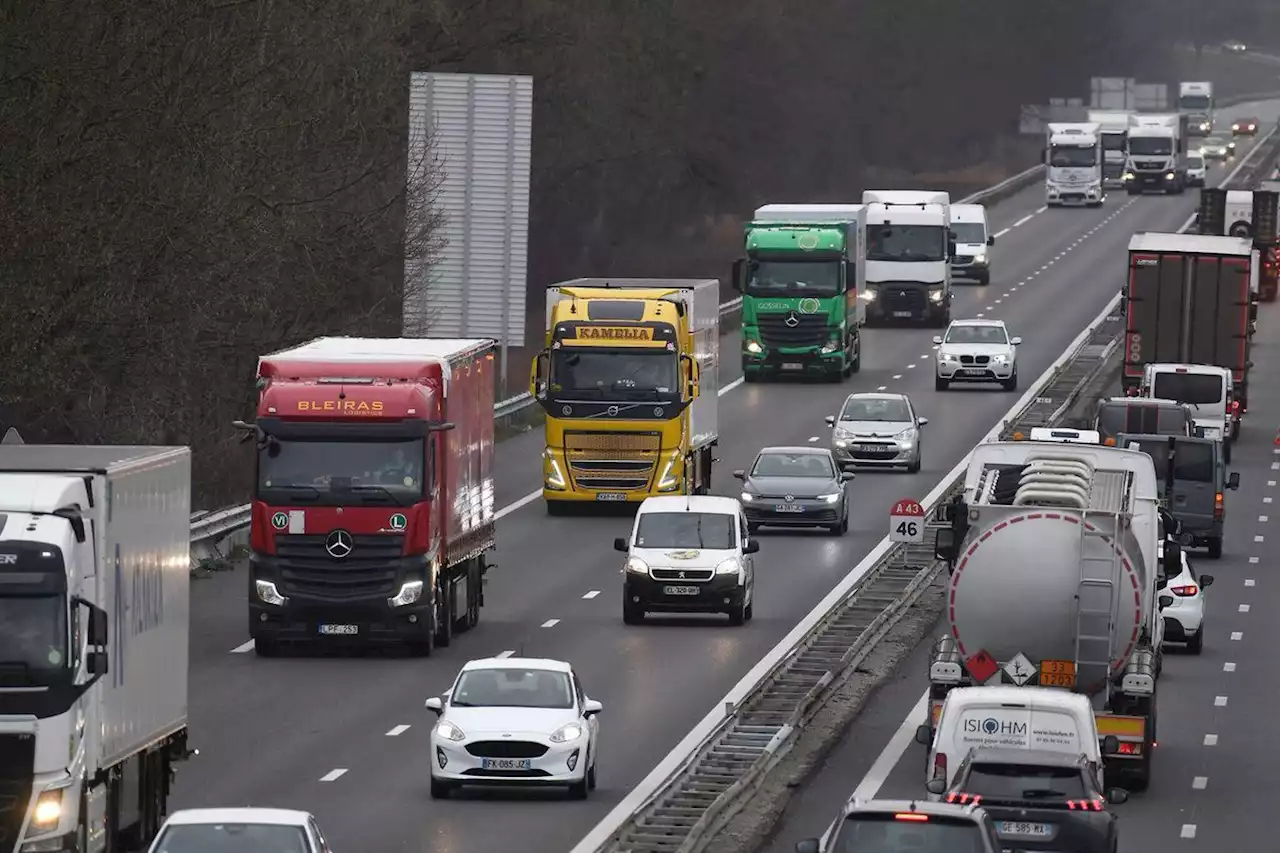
point(264, 648)
point(856, 364)
point(446, 614)
point(1215, 548)
point(1226, 452)
point(750, 376)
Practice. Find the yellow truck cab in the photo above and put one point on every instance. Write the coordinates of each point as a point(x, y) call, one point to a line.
point(629, 385)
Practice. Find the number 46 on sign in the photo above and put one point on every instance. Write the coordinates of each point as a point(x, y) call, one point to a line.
point(906, 522)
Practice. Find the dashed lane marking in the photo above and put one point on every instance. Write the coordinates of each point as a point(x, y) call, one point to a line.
point(1199, 783)
point(1024, 220)
point(1220, 701)
point(1228, 667)
point(1002, 232)
point(334, 775)
point(396, 731)
point(1188, 830)
point(505, 654)
point(1244, 608)
point(551, 623)
point(1237, 636)
point(813, 438)
point(883, 388)
point(242, 648)
point(1253, 560)
point(1210, 740)
point(592, 594)
point(897, 376)
point(1250, 582)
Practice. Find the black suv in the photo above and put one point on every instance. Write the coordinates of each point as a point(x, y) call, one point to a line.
point(1038, 799)
point(891, 826)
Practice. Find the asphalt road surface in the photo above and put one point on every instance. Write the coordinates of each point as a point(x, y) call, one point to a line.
point(347, 737)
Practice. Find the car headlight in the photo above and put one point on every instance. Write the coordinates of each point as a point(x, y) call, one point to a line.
point(746, 497)
point(946, 356)
point(566, 733)
point(730, 566)
point(935, 295)
point(907, 436)
point(999, 359)
point(409, 593)
point(832, 498)
point(449, 731)
point(637, 566)
point(268, 594)
point(980, 258)
point(841, 433)
point(754, 347)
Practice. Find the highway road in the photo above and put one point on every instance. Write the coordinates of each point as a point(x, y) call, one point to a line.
point(1215, 709)
point(346, 737)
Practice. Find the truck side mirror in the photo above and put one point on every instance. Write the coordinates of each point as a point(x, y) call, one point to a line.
point(692, 375)
point(991, 241)
point(1233, 480)
point(951, 247)
point(850, 274)
point(944, 544)
point(739, 267)
point(924, 735)
point(95, 663)
point(537, 375)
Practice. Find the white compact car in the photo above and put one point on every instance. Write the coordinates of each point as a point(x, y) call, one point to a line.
point(245, 830)
point(977, 351)
point(514, 721)
point(1183, 607)
point(877, 429)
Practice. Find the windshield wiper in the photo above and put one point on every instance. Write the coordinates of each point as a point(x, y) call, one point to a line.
point(296, 492)
point(381, 491)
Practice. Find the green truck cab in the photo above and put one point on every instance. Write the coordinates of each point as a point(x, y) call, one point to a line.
point(801, 281)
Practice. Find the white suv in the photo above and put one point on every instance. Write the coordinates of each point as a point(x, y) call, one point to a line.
point(977, 351)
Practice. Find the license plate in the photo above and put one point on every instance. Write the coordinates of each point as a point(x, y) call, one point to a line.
point(680, 590)
point(792, 365)
point(611, 496)
point(1023, 828)
point(971, 371)
point(904, 314)
point(340, 630)
point(1058, 673)
point(868, 448)
point(506, 763)
point(787, 508)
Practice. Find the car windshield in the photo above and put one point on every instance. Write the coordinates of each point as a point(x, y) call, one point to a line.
point(292, 470)
point(916, 243)
point(1150, 146)
point(512, 688)
point(874, 409)
point(793, 465)
point(232, 838)
point(1195, 161)
point(885, 834)
point(704, 530)
point(776, 278)
point(1025, 782)
point(1192, 460)
point(1077, 156)
point(976, 335)
point(607, 374)
point(33, 645)
point(1140, 419)
point(969, 232)
point(1215, 142)
point(1196, 388)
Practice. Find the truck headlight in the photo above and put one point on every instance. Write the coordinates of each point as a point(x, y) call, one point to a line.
point(1128, 176)
point(48, 811)
point(754, 347)
point(980, 259)
point(636, 566)
point(935, 295)
point(552, 476)
point(268, 594)
point(830, 346)
point(670, 478)
point(730, 566)
point(409, 593)
point(867, 295)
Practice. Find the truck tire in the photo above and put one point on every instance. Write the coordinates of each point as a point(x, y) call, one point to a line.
point(1214, 544)
point(475, 589)
point(446, 614)
point(855, 364)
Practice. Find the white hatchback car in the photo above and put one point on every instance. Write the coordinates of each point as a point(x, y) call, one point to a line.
point(245, 830)
point(514, 721)
point(1183, 607)
point(976, 351)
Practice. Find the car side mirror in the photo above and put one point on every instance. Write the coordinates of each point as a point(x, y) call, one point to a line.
point(591, 707)
point(1206, 581)
point(620, 544)
point(1110, 745)
point(924, 735)
point(1116, 796)
point(921, 421)
point(434, 705)
point(831, 420)
point(1016, 341)
point(937, 339)
point(739, 474)
point(936, 786)
point(991, 241)
point(1233, 480)
point(1165, 601)
point(752, 547)
point(808, 845)
point(847, 476)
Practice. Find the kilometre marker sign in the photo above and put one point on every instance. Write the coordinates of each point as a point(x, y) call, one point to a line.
point(906, 522)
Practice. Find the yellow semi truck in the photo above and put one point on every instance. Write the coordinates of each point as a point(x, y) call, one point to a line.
point(629, 384)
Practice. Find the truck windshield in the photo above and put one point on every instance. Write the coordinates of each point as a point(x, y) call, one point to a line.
point(1197, 388)
point(1150, 146)
point(794, 278)
point(1072, 156)
point(907, 243)
point(33, 639)
point(346, 472)
point(1114, 141)
point(1195, 103)
point(886, 834)
point(614, 374)
point(969, 232)
point(711, 531)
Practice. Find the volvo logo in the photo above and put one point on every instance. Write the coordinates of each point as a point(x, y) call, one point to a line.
point(338, 544)
point(566, 410)
point(612, 411)
point(792, 320)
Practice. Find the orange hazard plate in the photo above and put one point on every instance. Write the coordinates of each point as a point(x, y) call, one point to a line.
point(1058, 673)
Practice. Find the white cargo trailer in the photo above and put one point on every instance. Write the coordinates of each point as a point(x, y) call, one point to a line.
point(94, 618)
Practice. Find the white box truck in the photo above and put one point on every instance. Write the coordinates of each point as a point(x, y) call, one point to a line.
point(1073, 165)
point(909, 252)
point(94, 616)
point(1195, 101)
point(1157, 154)
point(1114, 128)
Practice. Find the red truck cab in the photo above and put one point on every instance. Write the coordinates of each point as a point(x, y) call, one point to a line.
point(373, 501)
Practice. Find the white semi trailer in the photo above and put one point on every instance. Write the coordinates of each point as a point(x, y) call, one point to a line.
point(1055, 571)
point(94, 615)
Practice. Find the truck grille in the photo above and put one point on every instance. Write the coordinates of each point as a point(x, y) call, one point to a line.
point(616, 461)
point(903, 297)
point(1149, 165)
point(17, 764)
point(975, 359)
point(808, 330)
point(962, 260)
point(696, 575)
point(306, 569)
point(506, 749)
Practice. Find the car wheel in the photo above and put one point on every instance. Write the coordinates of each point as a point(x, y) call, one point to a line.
point(1215, 548)
point(632, 614)
point(1011, 384)
point(738, 615)
point(914, 467)
point(579, 790)
point(591, 774)
point(440, 790)
point(264, 648)
point(940, 384)
point(1195, 643)
point(750, 612)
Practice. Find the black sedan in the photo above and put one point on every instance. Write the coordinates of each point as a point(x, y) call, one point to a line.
point(1039, 799)
point(795, 487)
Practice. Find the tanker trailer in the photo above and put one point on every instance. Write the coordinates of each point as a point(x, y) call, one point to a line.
point(1054, 562)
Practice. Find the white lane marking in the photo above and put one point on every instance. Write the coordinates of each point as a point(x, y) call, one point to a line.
point(1271, 484)
point(1023, 220)
point(1220, 701)
point(1199, 783)
point(1188, 830)
point(927, 355)
point(1244, 608)
point(592, 594)
point(551, 623)
point(1001, 233)
point(334, 775)
point(1275, 466)
point(1237, 636)
point(1250, 582)
point(888, 759)
point(897, 376)
point(1253, 560)
point(1228, 667)
point(1267, 499)
point(242, 648)
point(396, 731)
point(1262, 519)
point(981, 315)
point(813, 438)
point(1259, 538)
point(998, 301)
point(729, 387)
point(1210, 740)
point(911, 366)
point(883, 388)
point(505, 654)
point(1046, 207)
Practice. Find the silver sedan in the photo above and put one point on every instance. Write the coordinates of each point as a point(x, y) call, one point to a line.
point(877, 430)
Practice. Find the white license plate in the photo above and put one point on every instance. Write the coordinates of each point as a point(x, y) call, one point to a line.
point(902, 314)
point(340, 630)
point(506, 763)
point(792, 365)
point(787, 508)
point(611, 496)
point(868, 448)
point(1023, 828)
point(971, 371)
point(680, 590)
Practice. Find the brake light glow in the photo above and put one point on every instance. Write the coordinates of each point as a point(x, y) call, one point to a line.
point(964, 799)
point(1235, 406)
point(1110, 442)
point(940, 766)
point(1130, 749)
point(1217, 506)
point(1084, 805)
point(1188, 590)
point(918, 818)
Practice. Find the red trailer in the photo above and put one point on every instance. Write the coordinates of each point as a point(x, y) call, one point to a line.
point(373, 501)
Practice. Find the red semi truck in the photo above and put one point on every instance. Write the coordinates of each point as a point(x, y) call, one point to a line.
point(373, 499)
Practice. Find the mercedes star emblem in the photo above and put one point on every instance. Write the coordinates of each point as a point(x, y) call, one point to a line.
point(338, 544)
point(790, 498)
point(792, 320)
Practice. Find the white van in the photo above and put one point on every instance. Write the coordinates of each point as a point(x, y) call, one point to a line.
point(1010, 717)
point(1208, 389)
point(973, 237)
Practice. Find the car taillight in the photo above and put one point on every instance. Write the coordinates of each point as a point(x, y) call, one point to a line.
point(1188, 590)
point(918, 818)
point(964, 799)
point(940, 766)
point(1217, 506)
point(1084, 805)
point(1235, 406)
